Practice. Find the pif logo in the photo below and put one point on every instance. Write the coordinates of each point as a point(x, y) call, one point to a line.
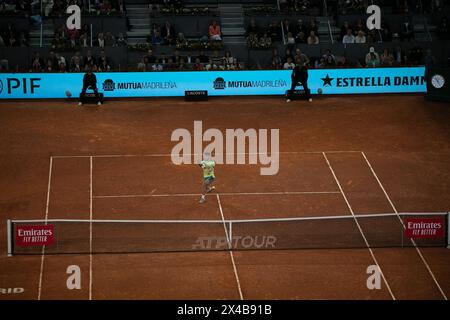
point(27, 85)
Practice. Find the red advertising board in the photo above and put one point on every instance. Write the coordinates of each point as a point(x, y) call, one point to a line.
point(37, 235)
point(418, 228)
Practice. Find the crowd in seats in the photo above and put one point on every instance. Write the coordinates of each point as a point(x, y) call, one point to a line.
point(56, 62)
point(178, 62)
point(358, 33)
point(57, 8)
point(167, 35)
point(259, 37)
point(11, 37)
point(66, 39)
point(372, 59)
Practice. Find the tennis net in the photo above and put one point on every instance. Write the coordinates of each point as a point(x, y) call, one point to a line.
point(68, 236)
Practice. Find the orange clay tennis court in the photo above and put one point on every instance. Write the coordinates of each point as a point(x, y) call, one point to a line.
point(338, 156)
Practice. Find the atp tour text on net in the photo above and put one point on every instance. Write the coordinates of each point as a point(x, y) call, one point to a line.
point(235, 147)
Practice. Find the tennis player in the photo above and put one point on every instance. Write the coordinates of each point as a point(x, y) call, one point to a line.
point(299, 75)
point(208, 175)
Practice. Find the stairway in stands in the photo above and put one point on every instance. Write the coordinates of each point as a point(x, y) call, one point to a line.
point(138, 15)
point(47, 34)
point(233, 30)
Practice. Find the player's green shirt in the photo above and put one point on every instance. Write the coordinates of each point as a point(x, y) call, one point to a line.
point(208, 168)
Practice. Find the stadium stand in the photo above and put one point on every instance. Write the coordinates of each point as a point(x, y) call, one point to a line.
point(249, 30)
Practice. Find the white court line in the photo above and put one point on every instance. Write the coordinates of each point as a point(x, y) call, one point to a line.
point(46, 218)
point(222, 194)
point(231, 252)
point(359, 227)
point(90, 227)
point(412, 240)
point(194, 154)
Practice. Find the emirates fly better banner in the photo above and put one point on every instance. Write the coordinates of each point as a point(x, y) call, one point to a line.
point(38, 235)
point(217, 83)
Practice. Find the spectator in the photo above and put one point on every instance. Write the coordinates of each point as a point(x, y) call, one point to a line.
point(265, 41)
point(344, 30)
point(84, 41)
point(12, 41)
point(360, 26)
point(300, 37)
point(274, 31)
point(329, 59)
point(443, 29)
point(313, 39)
point(4, 65)
point(399, 57)
point(386, 59)
point(202, 57)
point(287, 27)
point(300, 27)
point(211, 65)
point(275, 64)
point(349, 37)
point(181, 40)
point(216, 58)
point(54, 59)
point(372, 58)
point(89, 60)
point(290, 39)
point(162, 59)
point(236, 65)
point(151, 58)
point(157, 38)
point(104, 66)
point(198, 65)
point(214, 32)
point(168, 33)
point(252, 28)
point(22, 42)
point(275, 57)
point(407, 32)
point(105, 7)
point(110, 41)
point(360, 38)
point(228, 58)
point(313, 26)
point(301, 57)
point(157, 66)
point(49, 66)
point(62, 67)
point(100, 40)
point(121, 41)
point(101, 59)
point(288, 54)
point(37, 63)
point(289, 65)
point(385, 32)
point(320, 63)
point(142, 65)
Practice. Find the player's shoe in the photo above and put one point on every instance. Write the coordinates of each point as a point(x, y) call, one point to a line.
point(80, 103)
point(99, 103)
point(288, 100)
point(202, 199)
point(211, 189)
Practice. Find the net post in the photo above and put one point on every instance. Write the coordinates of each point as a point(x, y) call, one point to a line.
point(448, 230)
point(230, 235)
point(8, 235)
